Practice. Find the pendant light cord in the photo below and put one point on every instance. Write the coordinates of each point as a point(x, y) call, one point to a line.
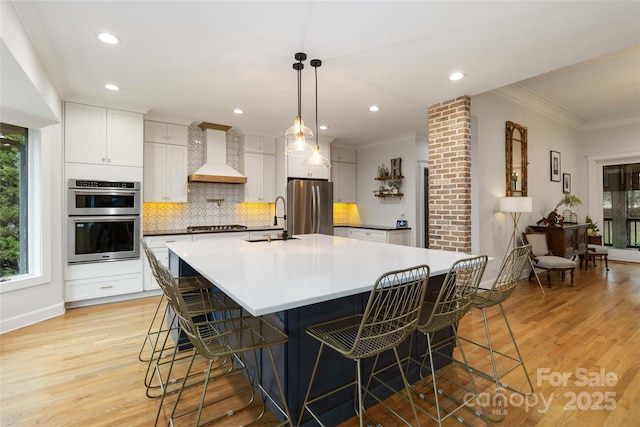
point(316, 73)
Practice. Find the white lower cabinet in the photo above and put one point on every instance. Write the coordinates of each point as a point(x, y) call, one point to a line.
point(367, 234)
point(158, 244)
point(99, 287)
point(396, 237)
point(234, 235)
point(341, 231)
point(102, 279)
point(265, 234)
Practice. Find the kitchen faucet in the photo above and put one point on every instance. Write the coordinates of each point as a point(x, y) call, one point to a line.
point(284, 216)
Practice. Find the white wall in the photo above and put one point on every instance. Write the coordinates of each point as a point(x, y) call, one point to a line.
point(490, 112)
point(22, 306)
point(385, 211)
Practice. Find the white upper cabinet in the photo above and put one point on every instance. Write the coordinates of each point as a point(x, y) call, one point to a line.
point(98, 135)
point(297, 169)
point(165, 162)
point(258, 164)
point(343, 155)
point(168, 133)
point(257, 144)
point(343, 176)
point(165, 172)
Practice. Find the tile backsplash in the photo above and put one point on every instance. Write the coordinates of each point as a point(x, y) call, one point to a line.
point(198, 211)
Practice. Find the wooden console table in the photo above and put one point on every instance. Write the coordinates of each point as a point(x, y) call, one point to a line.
point(567, 241)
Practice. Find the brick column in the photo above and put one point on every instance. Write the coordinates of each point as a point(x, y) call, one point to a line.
point(450, 175)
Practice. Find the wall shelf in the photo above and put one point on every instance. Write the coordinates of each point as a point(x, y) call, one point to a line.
point(388, 177)
point(390, 195)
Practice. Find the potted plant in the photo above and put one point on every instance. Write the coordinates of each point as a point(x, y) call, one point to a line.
point(569, 200)
point(592, 227)
point(395, 184)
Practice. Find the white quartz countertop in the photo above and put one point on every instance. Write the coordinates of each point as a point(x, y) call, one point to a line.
point(266, 277)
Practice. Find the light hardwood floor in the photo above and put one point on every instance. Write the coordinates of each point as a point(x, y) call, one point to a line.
point(82, 368)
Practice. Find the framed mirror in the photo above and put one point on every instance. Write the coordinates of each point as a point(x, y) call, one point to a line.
point(516, 159)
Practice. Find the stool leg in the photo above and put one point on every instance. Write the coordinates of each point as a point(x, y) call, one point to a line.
point(515, 345)
point(306, 397)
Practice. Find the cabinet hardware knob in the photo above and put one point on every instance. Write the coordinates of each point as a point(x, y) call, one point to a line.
point(106, 287)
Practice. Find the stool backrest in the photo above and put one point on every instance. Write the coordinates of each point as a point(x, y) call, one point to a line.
point(507, 279)
point(456, 295)
point(392, 311)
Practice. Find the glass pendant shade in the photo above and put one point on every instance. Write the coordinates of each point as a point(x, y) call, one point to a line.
point(317, 159)
point(296, 137)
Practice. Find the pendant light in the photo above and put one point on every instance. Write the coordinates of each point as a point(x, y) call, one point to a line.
point(296, 136)
point(316, 158)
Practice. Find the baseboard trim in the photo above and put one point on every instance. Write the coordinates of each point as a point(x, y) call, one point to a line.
point(26, 319)
point(115, 298)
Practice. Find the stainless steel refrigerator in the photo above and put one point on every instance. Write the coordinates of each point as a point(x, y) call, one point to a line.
point(309, 207)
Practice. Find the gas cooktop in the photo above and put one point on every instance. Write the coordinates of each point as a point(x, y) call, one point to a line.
point(210, 228)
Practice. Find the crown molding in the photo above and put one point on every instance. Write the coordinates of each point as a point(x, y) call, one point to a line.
point(522, 96)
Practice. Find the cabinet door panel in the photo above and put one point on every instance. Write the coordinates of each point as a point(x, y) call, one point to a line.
point(268, 178)
point(251, 167)
point(177, 173)
point(124, 138)
point(154, 131)
point(85, 133)
point(344, 178)
point(155, 178)
point(177, 134)
point(343, 155)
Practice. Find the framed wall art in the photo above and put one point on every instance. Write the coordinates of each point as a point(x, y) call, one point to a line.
point(566, 183)
point(554, 166)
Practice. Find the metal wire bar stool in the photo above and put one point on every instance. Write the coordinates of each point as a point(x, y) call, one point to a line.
point(388, 319)
point(501, 289)
point(452, 302)
point(220, 336)
point(163, 353)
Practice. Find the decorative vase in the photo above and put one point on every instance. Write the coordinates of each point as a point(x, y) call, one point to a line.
point(574, 218)
point(566, 215)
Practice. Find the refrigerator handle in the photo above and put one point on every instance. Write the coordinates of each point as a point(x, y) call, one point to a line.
point(314, 209)
point(318, 210)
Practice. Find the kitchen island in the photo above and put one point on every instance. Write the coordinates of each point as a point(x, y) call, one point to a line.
point(302, 281)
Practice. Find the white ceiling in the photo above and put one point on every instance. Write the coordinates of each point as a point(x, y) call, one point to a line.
point(197, 61)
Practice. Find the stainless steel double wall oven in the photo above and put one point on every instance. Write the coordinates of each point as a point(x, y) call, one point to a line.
point(103, 220)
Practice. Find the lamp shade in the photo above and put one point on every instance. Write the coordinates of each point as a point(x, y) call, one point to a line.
point(516, 204)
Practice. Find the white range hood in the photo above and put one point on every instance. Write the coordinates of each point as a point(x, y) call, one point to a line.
point(215, 168)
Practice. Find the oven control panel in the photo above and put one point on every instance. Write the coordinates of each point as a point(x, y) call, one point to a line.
point(85, 183)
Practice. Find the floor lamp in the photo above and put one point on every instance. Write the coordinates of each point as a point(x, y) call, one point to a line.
point(516, 206)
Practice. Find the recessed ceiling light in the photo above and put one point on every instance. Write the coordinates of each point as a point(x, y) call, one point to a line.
point(456, 76)
point(324, 127)
point(108, 38)
point(111, 86)
point(238, 111)
point(374, 108)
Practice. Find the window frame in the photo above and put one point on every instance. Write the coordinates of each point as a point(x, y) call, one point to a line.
point(38, 236)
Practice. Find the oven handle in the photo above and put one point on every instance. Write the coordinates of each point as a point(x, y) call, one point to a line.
point(133, 193)
point(82, 218)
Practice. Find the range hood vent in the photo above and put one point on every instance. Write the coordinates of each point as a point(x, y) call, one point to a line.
point(215, 168)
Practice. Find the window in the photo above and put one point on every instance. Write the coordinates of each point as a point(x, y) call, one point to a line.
point(621, 205)
point(14, 185)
